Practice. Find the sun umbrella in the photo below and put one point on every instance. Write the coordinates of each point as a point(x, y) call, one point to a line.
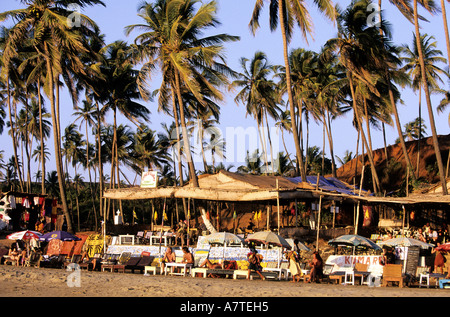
point(406, 242)
point(61, 235)
point(268, 237)
point(24, 235)
point(444, 247)
point(300, 245)
point(223, 238)
point(354, 240)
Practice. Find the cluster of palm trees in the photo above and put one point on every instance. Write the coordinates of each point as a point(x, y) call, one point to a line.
point(42, 54)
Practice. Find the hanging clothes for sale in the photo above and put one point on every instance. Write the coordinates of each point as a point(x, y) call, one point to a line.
point(26, 202)
point(48, 208)
point(54, 207)
point(12, 202)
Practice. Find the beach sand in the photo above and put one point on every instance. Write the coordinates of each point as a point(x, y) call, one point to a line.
point(46, 282)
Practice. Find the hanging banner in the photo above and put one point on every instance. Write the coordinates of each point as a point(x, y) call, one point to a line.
point(149, 179)
point(367, 210)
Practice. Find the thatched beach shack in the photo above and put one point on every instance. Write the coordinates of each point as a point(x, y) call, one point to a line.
point(274, 196)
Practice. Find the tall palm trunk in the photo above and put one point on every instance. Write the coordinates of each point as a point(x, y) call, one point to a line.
point(397, 119)
point(186, 143)
point(89, 173)
point(177, 130)
point(327, 124)
point(290, 96)
point(363, 136)
point(100, 163)
point(56, 138)
point(447, 38)
point(13, 134)
point(41, 136)
point(428, 100)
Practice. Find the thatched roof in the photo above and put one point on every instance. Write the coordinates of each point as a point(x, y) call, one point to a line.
point(227, 186)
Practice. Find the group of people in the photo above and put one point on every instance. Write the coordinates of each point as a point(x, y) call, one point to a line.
point(170, 257)
point(433, 236)
point(17, 253)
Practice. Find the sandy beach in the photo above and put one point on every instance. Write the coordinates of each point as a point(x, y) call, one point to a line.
point(46, 282)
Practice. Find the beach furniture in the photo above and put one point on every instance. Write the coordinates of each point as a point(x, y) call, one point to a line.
point(244, 273)
point(425, 279)
point(75, 259)
point(185, 268)
point(90, 263)
point(444, 283)
point(341, 274)
point(204, 272)
point(153, 269)
point(145, 260)
point(392, 273)
point(281, 269)
point(108, 261)
point(34, 259)
point(129, 265)
point(361, 271)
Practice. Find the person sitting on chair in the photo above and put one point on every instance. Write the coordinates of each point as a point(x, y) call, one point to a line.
point(14, 254)
point(316, 268)
point(169, 257)
point(187, 256)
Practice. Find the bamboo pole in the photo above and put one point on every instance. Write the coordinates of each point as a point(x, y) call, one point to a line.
point(278, 206)
point(318, 223)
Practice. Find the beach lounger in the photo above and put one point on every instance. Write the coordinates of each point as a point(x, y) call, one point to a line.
point(90, 263)
point(205, 272)
point(145, 260)
point(131, 264)
point(75, 259)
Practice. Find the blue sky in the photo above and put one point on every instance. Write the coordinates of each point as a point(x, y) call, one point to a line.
point(234, 16)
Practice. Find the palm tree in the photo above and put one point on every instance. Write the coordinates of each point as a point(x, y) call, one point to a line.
point(429, 6)
point(149, 151)
point(259, 93)
point(303, 69)
point(253, 164)
point(86, 114)
point(44, 22)
point(348, 156)
point(289, 12)
point(121, 94)
point(415, 130)
point(411, 60)
point(355, 58)
point(172, 41)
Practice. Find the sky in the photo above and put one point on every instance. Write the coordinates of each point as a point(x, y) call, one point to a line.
point(234, 16)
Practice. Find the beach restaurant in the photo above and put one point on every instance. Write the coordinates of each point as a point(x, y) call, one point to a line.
point(276, 192)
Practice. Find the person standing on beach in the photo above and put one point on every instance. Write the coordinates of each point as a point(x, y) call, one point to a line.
point(254, 260)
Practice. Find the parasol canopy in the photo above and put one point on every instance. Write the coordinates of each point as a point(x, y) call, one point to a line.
point(444, 247)
point(60, 235)
point(268, 237)
point(223, 238)
point(354, 240)
point(406, 242)
point(24, 235)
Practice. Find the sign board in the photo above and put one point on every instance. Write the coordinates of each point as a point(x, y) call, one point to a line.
point(149, 179)
point(412, 260)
